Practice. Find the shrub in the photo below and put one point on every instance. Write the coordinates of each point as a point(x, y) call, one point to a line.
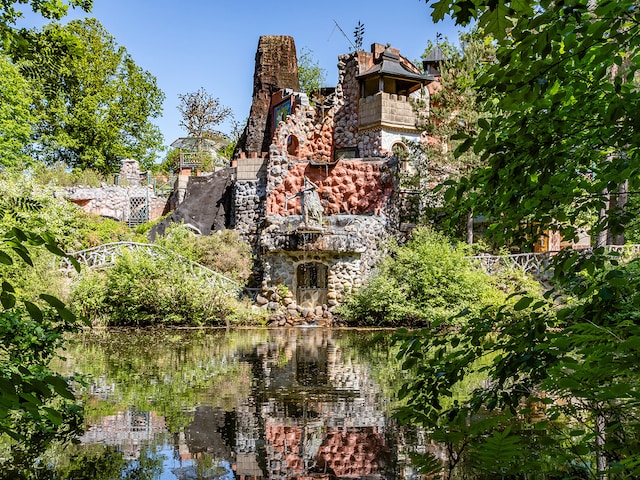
point(144, 289)
point(59, 175)
point(428, 279)
point(226, 253)
point(223, 251)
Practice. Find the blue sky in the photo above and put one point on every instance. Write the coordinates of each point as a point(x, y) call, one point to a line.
point(190, 44)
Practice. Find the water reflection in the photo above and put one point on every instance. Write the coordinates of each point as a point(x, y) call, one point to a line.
point(249, 404)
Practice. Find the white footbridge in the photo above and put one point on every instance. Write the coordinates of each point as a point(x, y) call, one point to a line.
point(104, 256)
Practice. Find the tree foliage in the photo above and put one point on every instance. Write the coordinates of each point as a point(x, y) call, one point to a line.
point(310, 75)
point(94, 105)
point(565, 84)
point(51, 9)
point(15, 116)
point(201, 112)
point(453, 113)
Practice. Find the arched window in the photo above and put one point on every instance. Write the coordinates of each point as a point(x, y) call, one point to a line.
point(292, 145)
point(401, 151)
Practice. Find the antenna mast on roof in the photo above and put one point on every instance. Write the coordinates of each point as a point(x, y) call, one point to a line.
point(345, 35)
point(358, 34)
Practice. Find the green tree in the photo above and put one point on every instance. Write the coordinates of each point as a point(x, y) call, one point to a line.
point(310, 75)
point(51, 9)
point(565, 83)
point(15, 116)
point(95, 105)
point(454, 110)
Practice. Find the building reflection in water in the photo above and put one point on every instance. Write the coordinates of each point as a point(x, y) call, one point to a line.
point(312, 413)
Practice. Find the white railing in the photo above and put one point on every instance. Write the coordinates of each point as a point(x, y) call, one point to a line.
point(536, 263)
point(533, 263)
point(104, 256)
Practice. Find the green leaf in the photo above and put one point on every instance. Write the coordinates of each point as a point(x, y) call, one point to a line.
point(7, 390)
point(53, 248)
point(30, 398)
point(60, 307)
point(523, 303)
point(439, 10)
point(53, 415)
point(496, 21)
point(53, 301)
point(61, 386)
point(24, 254)
point(19, 234)
point(34, 311)
point(5, 259)
point(8, 300)
point(581, 449)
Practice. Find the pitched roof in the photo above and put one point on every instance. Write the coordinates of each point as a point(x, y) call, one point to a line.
point(435, 55)
point(390, 64)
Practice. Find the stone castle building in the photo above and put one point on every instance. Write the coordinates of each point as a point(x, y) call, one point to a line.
point(316, 179)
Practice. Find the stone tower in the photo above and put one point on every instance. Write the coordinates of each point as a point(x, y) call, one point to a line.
point(276, 69)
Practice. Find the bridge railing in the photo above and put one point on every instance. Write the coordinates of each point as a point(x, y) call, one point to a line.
point(538, 263)
point(105, 255)
point(533, 263)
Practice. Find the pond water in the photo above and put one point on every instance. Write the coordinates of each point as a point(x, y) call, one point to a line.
point(244, 404)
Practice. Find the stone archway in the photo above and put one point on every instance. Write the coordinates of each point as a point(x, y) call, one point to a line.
point(311, 284)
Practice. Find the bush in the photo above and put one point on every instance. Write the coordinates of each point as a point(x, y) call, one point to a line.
point(59, 175)
point(144, 289)
point(428, 279)
point(223, 251)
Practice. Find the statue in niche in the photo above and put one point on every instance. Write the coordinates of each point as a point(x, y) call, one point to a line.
point(311, 206)
point(312, 209)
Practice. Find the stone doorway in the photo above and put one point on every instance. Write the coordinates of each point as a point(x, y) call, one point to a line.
point(311, 284)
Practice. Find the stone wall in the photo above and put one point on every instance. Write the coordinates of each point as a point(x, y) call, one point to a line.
point(248, 200)
point(346, 97)
point(370, 143)
point(311, 130)
point(115, 201)
point(350, 247)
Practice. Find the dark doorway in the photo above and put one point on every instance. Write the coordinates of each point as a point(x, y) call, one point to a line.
point(311, 284)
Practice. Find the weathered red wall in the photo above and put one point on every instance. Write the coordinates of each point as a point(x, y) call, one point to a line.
point(350, 187)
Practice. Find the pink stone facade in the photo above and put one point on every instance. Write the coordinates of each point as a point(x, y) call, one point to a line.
point(353, 187)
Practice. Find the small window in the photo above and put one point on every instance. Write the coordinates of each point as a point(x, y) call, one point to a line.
point(292, 145)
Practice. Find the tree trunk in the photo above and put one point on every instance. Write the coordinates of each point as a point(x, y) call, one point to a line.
point(469, 227)
point(601, 460)
point(601, 239)
point(621, 208)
